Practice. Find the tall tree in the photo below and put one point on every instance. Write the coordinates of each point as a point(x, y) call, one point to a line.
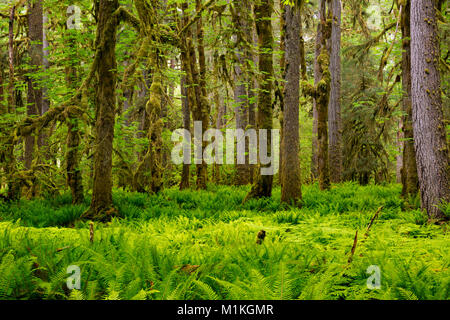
point(240, 12)
point(430, 143)
point(11, 62)
point(263, 11)
point(334, 108)
point(35, 94)
point(314, 144)
point(252, 90)
point(290, 180)
point(203, 108)
point(409, 169)
point(105, 65)
point(321, 92)
point(74, 176)
point(148, 176)
point(185, 175)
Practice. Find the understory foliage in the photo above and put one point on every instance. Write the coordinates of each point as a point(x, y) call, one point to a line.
point(202, 245)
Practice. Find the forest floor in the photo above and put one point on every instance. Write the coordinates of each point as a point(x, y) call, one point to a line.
point(202, 245)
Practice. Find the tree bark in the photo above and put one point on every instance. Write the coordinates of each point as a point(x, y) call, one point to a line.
point(430, 143)
point(192, 92)
point(399, 140)
point(185, 175)
point(35, 96)
point(409, 180)
point(202, 106)
point(148, 176)
point(252, 94)
point(102, 205)
point(240, 23)
point(334, 108)
point(11, 94)
point(321, 92)
point(315, 141)
point(263, 12)
point(291, 180)
point(281, 86)
point(74, 176)
point(10, 161)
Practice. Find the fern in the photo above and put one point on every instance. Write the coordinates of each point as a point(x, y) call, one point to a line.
point(208, 292)
point(406, 294)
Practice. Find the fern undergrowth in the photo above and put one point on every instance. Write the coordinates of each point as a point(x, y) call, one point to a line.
point(202, 245)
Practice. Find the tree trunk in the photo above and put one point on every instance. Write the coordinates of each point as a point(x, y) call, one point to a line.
point(334, 108)
point(185, 175)
point(74, 176)
point(10, 161)
point(45, 47)
point(35, 96)
point(430, 143)
point(291, 180)
point(101, 205)
point(322, 93)
point(399, 140)
point(252, 94)
point(409, 169)
point(3, 108)
point(202, 107)
point(315, 141)
point(240, 24)
point(282, 87)
point(11, 93)
point(44, 136)
point(148, 176)
point(263, 12)
point(220, 124)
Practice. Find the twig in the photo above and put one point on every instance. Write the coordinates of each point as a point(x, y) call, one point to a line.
point(371, 221)
point(355, 242)
point(63, 248)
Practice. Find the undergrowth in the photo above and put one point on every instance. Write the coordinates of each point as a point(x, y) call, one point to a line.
point(202, 245)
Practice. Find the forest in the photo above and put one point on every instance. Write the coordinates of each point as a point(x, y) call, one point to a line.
point(224, 150)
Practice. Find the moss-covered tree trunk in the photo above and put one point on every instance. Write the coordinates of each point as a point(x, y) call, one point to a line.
point(321, 92)
point(409, 177)
point(3, 107)
point(148, 176)
point(323, 88)
point(102, 206)
point(252, 93)
point(11, 62)
point(154, 152)
point(291, 191)
point(34, 97)
point(220, 124)
point(196, 79)
point(430, 142)
point(317, 75)
point(240, 11)
point(281, 87)
point(202, 105)
point(10, 160)
point(334, 108)
point(263, 12)
point(185, 174)
point(74, 176)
